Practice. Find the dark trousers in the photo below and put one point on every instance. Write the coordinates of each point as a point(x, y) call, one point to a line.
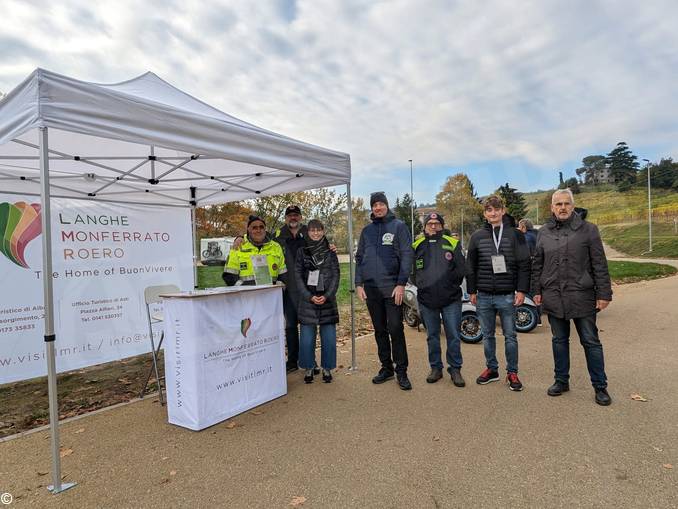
point(593, 350)
point(291, 328)
point(387, 319)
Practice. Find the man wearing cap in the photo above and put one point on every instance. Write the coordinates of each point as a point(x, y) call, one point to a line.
point(256, 252)
point(383, 264)
point(438, 272)
point(291, 237)
point(497, 279)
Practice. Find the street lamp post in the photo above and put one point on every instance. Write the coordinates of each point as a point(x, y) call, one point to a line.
point(649, 205)
point(412, 199)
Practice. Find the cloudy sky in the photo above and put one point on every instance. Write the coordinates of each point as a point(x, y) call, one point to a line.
point(506, 91)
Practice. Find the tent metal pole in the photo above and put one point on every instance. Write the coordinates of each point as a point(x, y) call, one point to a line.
point(194, 237)
point(354, 364)
point(48, 301)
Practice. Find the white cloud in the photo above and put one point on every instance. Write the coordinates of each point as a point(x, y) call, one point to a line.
point(445, 83)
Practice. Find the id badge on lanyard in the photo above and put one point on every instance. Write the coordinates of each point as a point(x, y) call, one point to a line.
point(498, 260)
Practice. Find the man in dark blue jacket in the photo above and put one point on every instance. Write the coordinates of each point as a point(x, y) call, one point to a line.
point(383, 264)
point(438, 272)
point(497, 279)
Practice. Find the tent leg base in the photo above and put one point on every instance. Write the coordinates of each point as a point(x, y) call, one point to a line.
point(65, 486)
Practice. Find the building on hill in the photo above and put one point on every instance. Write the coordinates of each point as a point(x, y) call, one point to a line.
point(602, 175)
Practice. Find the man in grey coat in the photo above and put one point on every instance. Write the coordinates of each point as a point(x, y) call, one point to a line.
point(570, 279)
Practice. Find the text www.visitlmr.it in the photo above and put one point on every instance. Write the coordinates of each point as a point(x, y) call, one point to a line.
point(244, 378)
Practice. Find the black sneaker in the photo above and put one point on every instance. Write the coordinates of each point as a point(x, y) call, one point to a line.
point(316, 370)
point(383, 376)
point(487, 376)
point(456, 377)
point(327, 376)
point(308, 376)
point(514, 382)
point(602, 397)
point(435, 375)
point(291, 366)
point(558, 388)
point(404, 382)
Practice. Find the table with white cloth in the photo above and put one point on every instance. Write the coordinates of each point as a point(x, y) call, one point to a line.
point(224, 352)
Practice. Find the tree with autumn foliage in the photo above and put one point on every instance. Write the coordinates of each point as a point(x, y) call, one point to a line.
point(456, 200)
point(225, 220)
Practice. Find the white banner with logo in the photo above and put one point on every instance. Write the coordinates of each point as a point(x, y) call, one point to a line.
point(104, 256)
point(224, 353)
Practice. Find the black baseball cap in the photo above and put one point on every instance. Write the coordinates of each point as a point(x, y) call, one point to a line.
point(292, 209)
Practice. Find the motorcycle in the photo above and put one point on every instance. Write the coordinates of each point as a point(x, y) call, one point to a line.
point(527, 317)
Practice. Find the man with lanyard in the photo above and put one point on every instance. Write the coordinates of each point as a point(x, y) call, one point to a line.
point(497, 279)
point(438, 272)
point(259, 260)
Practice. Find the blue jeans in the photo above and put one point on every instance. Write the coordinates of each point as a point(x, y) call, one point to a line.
point(593, 350)
point(452, 321)
point(328, 346)
point(488, 307)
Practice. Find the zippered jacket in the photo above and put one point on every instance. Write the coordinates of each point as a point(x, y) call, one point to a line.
point(570, 268)
point(439, 267)
point(384, 256)
point(513, 246)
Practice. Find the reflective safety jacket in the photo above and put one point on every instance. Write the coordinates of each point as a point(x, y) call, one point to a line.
point(438, 270)
point(239, 265)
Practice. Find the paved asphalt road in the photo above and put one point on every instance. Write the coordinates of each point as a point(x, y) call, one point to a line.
point(353, 444)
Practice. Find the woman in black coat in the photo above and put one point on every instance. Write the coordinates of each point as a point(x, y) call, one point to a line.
point(317, 277)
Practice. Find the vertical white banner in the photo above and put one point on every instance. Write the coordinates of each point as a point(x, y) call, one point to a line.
point(104, 256)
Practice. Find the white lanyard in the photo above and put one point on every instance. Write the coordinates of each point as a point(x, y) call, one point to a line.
point(497, 241)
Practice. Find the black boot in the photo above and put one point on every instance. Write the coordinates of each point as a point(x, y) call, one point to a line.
point(404, 382)
point(558, 388)
point(383, 375)
point(602, 397)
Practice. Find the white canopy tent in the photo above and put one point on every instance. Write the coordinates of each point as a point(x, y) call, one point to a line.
point(142, 141)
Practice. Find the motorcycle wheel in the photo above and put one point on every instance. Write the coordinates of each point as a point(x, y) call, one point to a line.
point(470, 328)
point(411, 317)
point(526, 318)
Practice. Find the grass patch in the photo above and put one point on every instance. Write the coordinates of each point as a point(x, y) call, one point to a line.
point(632, 239)
point(630, 272)
point(210, 277)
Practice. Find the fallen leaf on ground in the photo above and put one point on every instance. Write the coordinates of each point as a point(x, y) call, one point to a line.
point(436, 439)
point(667, 465)
point(637, 397)
point(658, 449)
point(79, 430)
point(65, 452)
point(42, 473)
point(297, 501)
point(173, 472)
point(256, 412)
point(165, 458)
point(231, 425)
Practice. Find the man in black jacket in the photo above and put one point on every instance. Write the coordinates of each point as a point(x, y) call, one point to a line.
point(383, 264)
point(571, 280)
point(291, 237)
point(438, 272)
point(497, 279)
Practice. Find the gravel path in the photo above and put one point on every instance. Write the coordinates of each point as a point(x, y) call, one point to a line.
point(354, 444)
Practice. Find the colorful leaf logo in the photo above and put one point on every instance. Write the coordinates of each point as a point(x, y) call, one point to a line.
point(19, 225)
point(245, 326)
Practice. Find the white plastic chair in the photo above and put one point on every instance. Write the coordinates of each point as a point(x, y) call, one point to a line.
point(152, 296)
